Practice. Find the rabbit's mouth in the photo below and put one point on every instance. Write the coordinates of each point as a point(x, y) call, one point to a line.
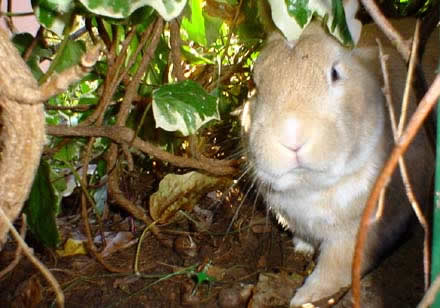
point(285, 179)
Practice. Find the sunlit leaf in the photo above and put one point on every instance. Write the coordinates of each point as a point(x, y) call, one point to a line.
point(195, 26)
point(168, 9)
point(184, 107)
point(292, 16)
point(53, 14)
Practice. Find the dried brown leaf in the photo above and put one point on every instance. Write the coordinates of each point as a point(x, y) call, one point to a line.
point(182, 192)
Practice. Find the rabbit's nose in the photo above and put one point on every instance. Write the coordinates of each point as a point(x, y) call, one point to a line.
point(292, 134)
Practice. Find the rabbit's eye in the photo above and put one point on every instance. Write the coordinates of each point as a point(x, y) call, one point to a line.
point(334, 74)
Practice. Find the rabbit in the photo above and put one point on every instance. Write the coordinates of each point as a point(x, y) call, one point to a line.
point(317, 134)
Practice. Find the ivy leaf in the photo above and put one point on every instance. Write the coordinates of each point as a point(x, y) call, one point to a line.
point(71, 55)
point(339, 24)
point(168, 9)
point(292, 16)
point(42, 207)
point(184, 107)
point(53, 14)
point(300, 11)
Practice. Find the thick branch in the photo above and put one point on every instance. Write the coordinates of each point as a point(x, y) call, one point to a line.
point(126, 135)
point(56, 84)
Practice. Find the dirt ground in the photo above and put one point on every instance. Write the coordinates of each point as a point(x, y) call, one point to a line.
point(199, 262)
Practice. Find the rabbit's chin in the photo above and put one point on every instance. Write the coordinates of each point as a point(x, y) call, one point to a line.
point(282, 181)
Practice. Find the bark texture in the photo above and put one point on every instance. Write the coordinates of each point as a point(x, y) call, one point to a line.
point(22, 132)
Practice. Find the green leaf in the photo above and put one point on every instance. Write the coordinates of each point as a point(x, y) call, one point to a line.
point(212, 28)
point(339, 24)
point(58, 181)
point(159, 64)
point(71, 55)
point(168, 9)
point(42, 207)
point(23, 40)
point(53, 14)
point(292, 16)
point(143, 17)
point(184, 107)
point(196, 26)
point(70, 152)
point(300, 11)
point(101, 169)
point(251, 28)
point(35, 68)
point(100, 197)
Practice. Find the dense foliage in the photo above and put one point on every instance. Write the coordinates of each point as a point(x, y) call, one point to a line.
point(172, 72)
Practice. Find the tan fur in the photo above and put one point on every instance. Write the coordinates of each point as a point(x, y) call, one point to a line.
point(318, 145)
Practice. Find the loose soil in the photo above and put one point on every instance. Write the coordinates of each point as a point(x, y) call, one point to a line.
point(219, 261)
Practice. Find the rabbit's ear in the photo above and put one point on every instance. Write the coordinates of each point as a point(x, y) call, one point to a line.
point(354, 25)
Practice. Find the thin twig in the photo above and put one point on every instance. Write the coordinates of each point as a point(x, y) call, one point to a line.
point(381, 204)
point(76, 108)
point(18, 253)
point(130, 94)
point(109, 86)
point(176, 53)
point(409, 78)
point(416, 121)
point(27, 53)
point(89, 28)
point(40, 266)
point(103, 33)
point(402, 165)
point(393, 35)
point(115, 76)
point(138, 248)
point(90, 245)
point(403, 47)
point(228, 41)
point(8, 18)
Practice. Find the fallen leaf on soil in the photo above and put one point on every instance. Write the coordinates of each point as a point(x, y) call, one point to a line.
point(72, 247)
point(182, 192)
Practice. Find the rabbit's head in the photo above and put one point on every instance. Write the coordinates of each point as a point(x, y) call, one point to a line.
point(318, 111)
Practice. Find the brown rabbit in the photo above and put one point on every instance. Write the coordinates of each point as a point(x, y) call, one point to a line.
point(317, 134)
